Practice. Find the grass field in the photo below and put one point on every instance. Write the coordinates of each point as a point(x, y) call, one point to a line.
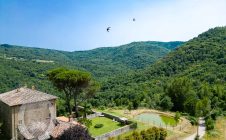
point(109, 125)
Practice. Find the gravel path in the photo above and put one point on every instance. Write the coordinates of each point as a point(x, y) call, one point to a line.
point(202, 130)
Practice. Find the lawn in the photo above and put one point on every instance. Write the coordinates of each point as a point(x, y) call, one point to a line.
point(109, 125)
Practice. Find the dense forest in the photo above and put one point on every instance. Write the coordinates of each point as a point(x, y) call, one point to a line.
point(142, 74)
point(20, 66)
point(194, 72)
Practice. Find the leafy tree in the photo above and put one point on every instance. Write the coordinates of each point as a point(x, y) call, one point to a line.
point(85, 121)
point(72, 82)
point(177, 117)
point(60, 103)
point(166, 103)
point(86, 109)
point(135, 104)
point(130, 106)
point(205, 91)
point(199, 113)
point(209, 123)
point(206, 103)
point(190, 104)
point(61, 84)
point(179, 90)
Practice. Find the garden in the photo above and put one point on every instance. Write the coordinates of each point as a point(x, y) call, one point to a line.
point(102, 125)
point(147, 118)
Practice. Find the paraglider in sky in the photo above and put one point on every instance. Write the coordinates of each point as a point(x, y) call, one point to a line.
point(134, 19)
point(108, 29)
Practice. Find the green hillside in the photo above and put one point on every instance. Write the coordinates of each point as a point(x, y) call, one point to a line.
point(200, 63)
point(24, 65)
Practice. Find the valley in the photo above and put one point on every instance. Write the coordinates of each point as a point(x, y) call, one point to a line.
point(179, 78)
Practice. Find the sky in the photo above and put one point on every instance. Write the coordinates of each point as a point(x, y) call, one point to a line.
point(81, 24)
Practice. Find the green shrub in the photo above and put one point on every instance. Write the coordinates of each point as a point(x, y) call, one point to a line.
point(85, 121)
point(163, 134)
point(134, 125)
point(209, 124)
point(136, 135)
point(101, 108)
point(157, 132)
point(98, 125)
point(153, 133)
point(143, 135)
point(192, 120)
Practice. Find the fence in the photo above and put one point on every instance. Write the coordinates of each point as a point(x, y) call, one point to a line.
point(115, 132)
point(179, 127)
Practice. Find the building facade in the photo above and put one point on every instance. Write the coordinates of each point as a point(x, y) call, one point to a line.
point(27, 113)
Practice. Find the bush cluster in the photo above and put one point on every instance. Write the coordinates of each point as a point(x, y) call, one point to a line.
point(98, 125)
point(153, 133)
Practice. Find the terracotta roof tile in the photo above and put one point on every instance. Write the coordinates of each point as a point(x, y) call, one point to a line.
point(60, 128)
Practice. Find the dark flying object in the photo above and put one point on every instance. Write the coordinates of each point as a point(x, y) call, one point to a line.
point(108, 29)
point(134, 19)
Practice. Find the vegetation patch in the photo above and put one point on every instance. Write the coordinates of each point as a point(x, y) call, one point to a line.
point(219, 132)
point(98, 125)
point(108, 125)
point(153, 133)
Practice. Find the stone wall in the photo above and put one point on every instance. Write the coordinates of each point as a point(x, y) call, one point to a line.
point(115, 133)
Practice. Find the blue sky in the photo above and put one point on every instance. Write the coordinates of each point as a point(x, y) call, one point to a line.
point(81, 24)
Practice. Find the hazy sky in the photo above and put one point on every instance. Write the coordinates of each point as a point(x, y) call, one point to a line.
point(81, 24)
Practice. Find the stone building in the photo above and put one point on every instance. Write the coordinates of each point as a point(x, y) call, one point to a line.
point(27, 113)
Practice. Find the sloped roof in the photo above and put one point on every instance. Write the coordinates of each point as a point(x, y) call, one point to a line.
point(24, 96)
point(60, 128)
point(62, 125)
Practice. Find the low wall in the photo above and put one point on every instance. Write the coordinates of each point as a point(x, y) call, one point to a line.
point(116, 118)
point(91, 116)
point(114, 133)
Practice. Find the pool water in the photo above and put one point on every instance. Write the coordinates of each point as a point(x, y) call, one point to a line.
point(156, 119)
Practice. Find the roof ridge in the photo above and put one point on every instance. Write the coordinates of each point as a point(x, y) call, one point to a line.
point(24, 95)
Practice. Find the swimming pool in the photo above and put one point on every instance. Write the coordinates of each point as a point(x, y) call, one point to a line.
point(156, 119)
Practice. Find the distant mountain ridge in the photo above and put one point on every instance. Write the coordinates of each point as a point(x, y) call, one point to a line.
point(201, 59)
point(19, 64)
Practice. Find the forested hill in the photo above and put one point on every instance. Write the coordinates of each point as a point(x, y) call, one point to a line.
point(201, 60)
point(25, 65)
point(115, 60)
